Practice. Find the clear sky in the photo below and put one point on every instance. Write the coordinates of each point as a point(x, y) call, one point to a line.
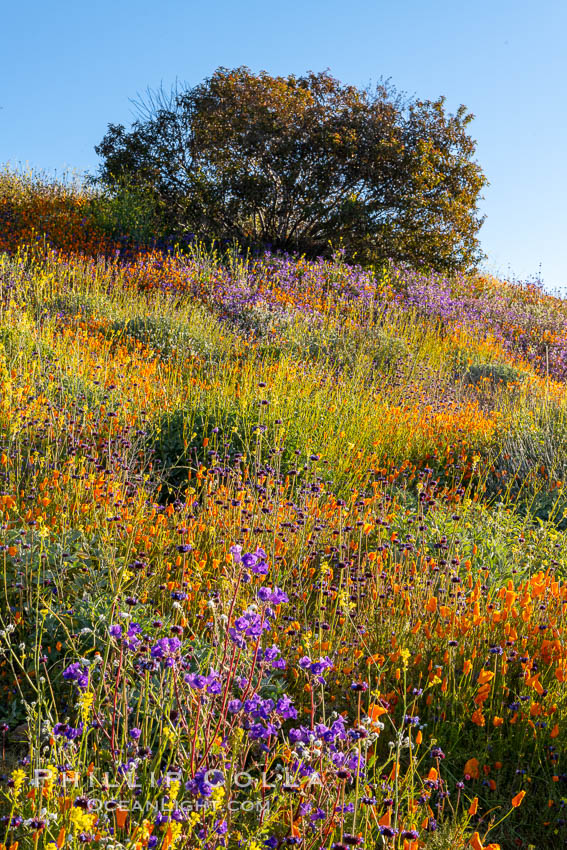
point(67, 69)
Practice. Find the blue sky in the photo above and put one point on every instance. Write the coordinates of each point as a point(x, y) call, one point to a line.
point(68, 69)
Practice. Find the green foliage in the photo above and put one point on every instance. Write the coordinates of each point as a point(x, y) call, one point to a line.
point(494, 373)
point(21, 342)
point(531, 465)
point(191, 438)
point(70, 304)
point(298, 163)
point(279, 331)
point(166, 336)
point(76, 561)
point(177, 445)
point(127, 209)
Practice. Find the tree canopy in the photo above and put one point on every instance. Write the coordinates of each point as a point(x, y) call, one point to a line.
point(305, 163)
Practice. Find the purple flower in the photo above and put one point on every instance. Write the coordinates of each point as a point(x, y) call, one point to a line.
point(258, 731)
point(236, 552)
point(286, 709)
point(203, 782)
point(115, 631)
point(70, 732)
point(302, 734)
point(250, 704)
point(356, 763)
point(166, 649)
point(388, 831)
point(264, 708)
point(278, 596)
point(213, 686)
point(195, 680)
point(135, 734)
point(256, 562)
point(78, 674)
point(249, 624)
point(317, 668)
point(237, 638)
point(337, 730)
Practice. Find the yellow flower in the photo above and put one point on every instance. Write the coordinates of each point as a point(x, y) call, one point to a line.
point(146, 830)
point(18, 778)
point(218, 793)
point(86, 700)
point(172, 793)
point(174, 830)
point(82, 821)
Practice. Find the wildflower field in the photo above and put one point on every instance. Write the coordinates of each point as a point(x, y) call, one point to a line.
point(283, 548)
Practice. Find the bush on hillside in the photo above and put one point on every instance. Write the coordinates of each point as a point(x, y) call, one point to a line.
point(299, 162)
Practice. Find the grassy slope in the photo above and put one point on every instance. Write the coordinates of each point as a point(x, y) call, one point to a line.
point(396, 448)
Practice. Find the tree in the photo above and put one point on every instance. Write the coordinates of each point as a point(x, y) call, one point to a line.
point(300, 163)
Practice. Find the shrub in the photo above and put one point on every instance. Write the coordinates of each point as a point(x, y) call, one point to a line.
point(299, 162)
point(493, 374)
point(166, 336)
point(127, 211)
point(177, 445)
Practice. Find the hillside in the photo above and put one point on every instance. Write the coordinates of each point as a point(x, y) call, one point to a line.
point(284, 554)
